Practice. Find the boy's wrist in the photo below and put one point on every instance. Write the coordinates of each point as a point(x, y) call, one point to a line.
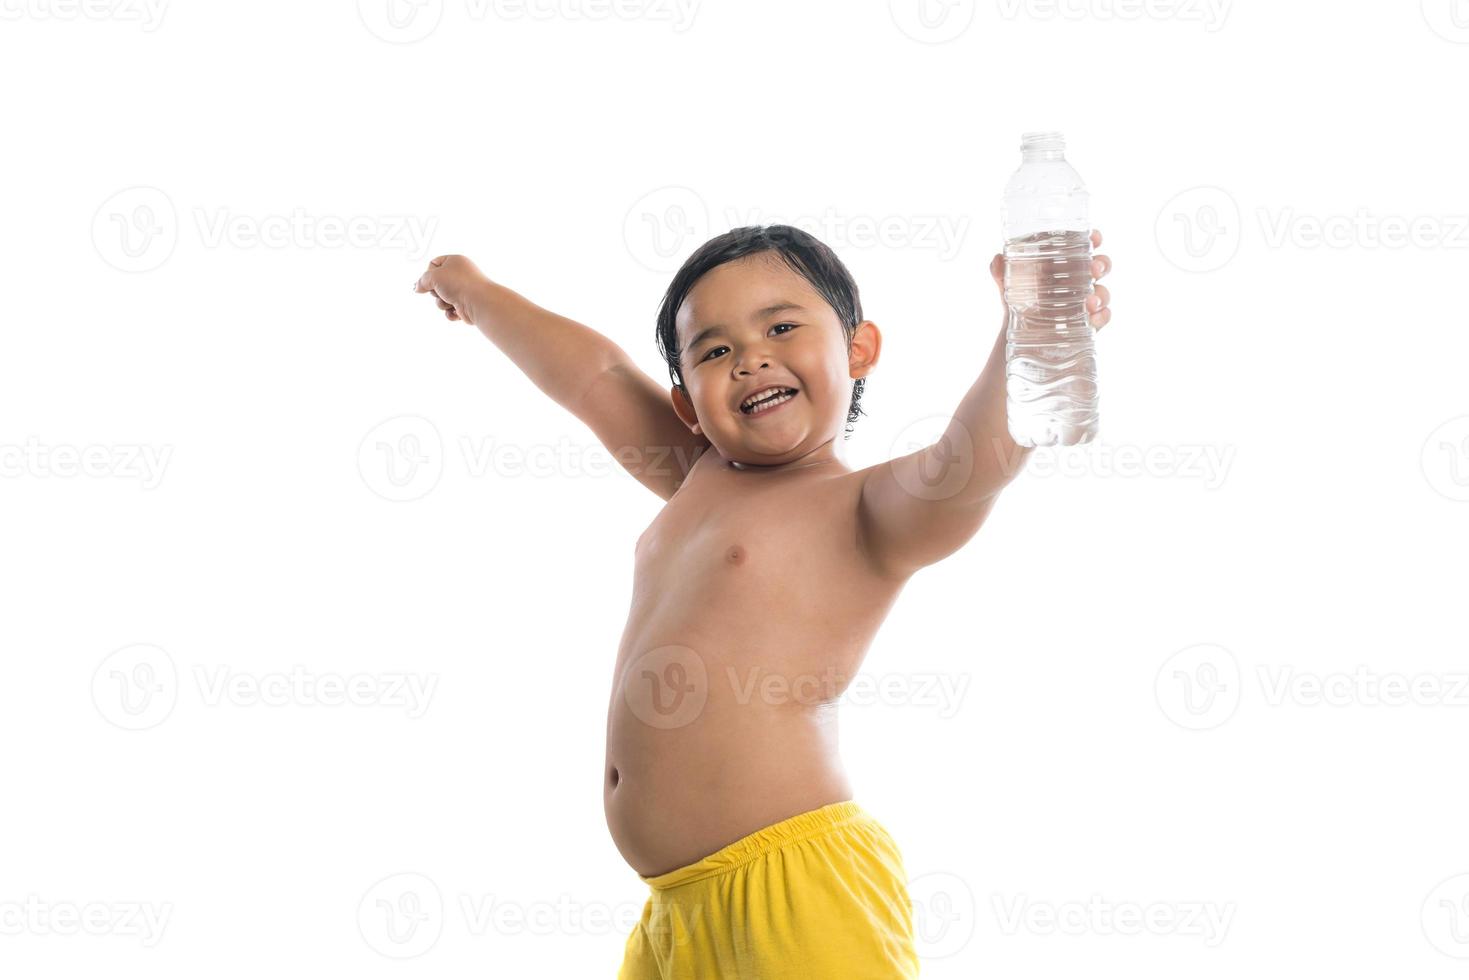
point(487, 301)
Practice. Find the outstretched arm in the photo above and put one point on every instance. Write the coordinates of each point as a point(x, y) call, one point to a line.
point(578, 368)
point(917, 509)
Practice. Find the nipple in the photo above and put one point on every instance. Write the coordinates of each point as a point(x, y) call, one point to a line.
point(735, 555)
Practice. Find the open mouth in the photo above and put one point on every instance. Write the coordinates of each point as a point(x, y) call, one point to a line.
point(764, 401)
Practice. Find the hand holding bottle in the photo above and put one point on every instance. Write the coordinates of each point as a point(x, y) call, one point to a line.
point(1098, 313)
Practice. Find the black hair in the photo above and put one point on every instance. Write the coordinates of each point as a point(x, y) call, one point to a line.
point(806, 255)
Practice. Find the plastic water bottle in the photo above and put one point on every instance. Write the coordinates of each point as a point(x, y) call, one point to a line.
point(1050, 354)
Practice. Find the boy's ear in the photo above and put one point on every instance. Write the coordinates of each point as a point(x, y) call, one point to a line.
point(865, 350)
point(684, 407)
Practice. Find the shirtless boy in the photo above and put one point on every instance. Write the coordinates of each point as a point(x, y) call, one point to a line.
point(756, 592)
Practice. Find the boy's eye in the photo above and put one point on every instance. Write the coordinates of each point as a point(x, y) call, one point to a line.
point(711, 351)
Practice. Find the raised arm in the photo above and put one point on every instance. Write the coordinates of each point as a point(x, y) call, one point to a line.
point(917, 509)
point(578, 368)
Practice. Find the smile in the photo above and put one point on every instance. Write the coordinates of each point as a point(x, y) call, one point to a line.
point(768, 401)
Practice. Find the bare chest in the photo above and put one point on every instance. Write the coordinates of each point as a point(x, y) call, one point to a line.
point(756, 561)
point(727, 530)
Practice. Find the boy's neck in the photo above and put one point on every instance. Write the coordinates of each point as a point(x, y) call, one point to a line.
point(823, 454)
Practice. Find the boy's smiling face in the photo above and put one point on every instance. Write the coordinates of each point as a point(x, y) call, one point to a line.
point(753, 323)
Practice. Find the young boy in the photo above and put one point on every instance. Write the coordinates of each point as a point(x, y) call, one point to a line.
point(756, 592)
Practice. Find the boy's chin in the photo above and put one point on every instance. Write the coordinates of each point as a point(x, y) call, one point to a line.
point(760, 450)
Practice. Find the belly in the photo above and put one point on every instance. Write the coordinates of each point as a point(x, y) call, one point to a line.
point(705, 747)
point(747, 623)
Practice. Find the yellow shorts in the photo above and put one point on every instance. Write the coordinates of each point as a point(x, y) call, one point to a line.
point(819, 895)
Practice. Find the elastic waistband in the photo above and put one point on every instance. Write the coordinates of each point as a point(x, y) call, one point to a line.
point(802, 826)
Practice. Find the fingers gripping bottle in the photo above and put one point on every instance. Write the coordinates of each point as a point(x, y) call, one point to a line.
point(1050, 355)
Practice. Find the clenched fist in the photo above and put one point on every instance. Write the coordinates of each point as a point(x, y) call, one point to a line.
point(456, 283)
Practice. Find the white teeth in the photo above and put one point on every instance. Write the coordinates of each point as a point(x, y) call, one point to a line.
point(764, 393)
point(765, 406)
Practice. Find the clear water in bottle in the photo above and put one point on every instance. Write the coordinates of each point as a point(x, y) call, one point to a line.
point(1050, 355)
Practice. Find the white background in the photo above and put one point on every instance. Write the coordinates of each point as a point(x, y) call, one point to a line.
point(1120, 636)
